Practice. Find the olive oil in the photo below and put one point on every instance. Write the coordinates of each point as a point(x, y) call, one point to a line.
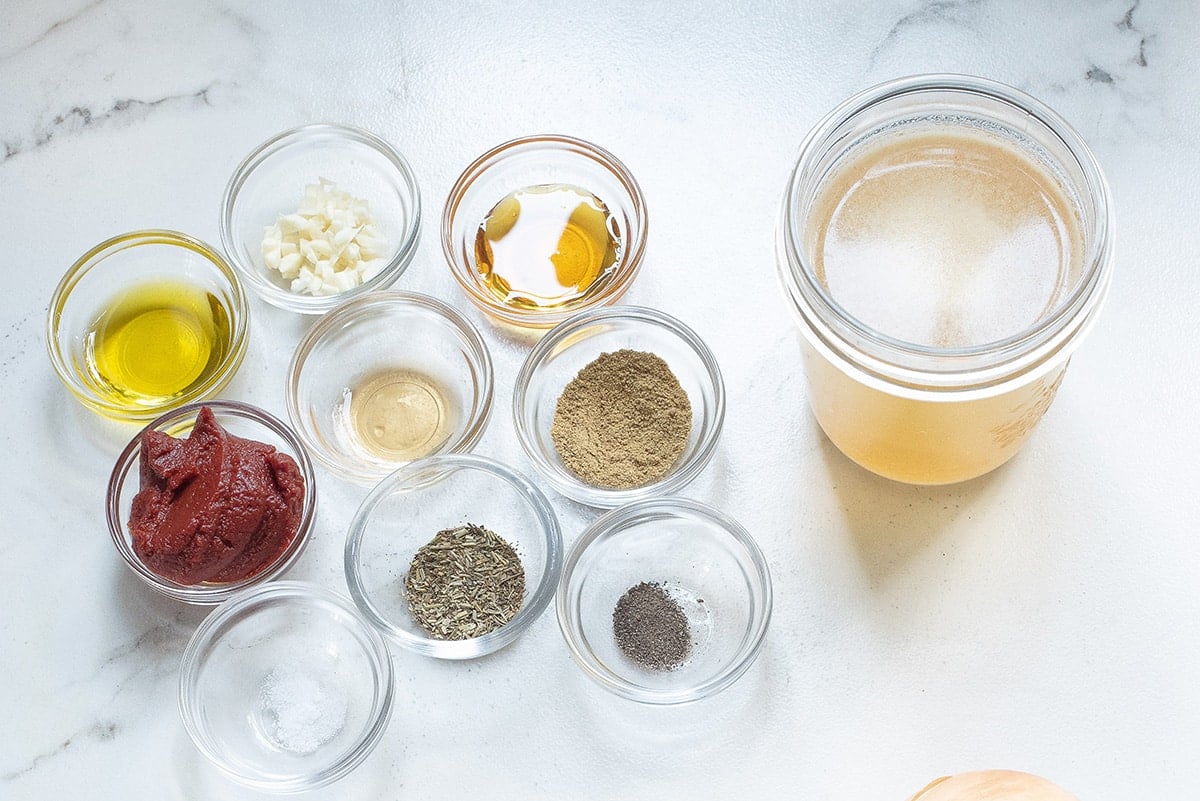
point(544, 246)
point(156, 341)
point(400, 415)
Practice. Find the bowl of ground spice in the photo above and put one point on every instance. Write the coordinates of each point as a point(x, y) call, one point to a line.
point(664, 601)
point(453, 556)
point(619, 404)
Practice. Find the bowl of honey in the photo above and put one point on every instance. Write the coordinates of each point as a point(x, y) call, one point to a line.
point(542, 227)
point(146, 322)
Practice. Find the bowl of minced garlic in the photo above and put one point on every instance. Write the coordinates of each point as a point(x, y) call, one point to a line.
point(619, 404)
point(320, 214)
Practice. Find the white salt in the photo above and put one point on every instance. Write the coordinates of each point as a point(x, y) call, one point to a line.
point(300, 711)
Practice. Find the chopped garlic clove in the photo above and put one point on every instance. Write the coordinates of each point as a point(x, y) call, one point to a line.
point(330, 244)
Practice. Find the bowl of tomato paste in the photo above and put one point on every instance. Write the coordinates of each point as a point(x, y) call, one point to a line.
point(211, 498)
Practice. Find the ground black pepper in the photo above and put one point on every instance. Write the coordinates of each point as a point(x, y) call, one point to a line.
point(651, 628)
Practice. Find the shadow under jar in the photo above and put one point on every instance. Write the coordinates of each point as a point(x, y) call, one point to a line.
point(946, 243)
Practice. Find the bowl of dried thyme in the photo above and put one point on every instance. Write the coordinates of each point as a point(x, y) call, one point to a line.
point(453, 556)
point(664, 601)
point(619, 404)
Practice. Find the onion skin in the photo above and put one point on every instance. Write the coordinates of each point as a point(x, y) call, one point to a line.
point(993, 785)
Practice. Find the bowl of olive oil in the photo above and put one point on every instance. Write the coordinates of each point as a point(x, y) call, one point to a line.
point(146, 322)
point(542, 227)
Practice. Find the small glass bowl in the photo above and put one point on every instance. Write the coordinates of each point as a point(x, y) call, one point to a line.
point(285, 687)
point(271, 181)
point(533, 161)
point(239, 419)
point(567, 349)
point(706, 561)
point(109, 271)
point(409, 507)
point(372, 336)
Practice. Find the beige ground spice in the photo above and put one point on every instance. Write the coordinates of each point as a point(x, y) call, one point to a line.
point(623, 421)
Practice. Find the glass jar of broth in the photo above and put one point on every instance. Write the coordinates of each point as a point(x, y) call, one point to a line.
point(946, 242)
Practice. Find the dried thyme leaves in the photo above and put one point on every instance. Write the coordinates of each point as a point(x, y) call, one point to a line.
point(464, 583)
point(651, 628)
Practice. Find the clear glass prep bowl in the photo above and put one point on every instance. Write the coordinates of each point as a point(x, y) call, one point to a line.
point(112, 268)
point(285, 687)
point(710, 565)
point(271, 180)
point(373, 334)
point(239, 419)
point(532, 161)
point(571, 346)
point(413, 504)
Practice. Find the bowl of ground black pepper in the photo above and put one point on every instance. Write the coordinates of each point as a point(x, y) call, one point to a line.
point(619, 404)
point(454, 556)
point(664, 601)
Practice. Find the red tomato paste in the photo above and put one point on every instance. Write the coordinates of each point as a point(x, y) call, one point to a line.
point(213, 507)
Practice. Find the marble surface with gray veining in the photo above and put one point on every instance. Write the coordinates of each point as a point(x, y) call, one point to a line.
point(1043, 618)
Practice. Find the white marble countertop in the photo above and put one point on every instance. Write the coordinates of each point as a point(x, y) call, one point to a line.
point(1043, 618)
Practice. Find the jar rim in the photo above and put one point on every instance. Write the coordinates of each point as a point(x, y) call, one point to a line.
point(894, 361)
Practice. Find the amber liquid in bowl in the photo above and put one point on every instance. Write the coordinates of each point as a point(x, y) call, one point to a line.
point(546, 246)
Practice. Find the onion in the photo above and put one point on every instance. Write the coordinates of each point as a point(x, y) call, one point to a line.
point(993, 785)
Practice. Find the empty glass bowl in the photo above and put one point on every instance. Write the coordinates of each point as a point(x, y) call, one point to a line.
point(408, 508)
point(704, 560)
point(145, 322)
point(542, 161)
point(239, 419)
point(271, 182)
point(571, 346)
point(285, 687)
point(388, 378)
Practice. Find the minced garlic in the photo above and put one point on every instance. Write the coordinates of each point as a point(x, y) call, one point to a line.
point(330, 244)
